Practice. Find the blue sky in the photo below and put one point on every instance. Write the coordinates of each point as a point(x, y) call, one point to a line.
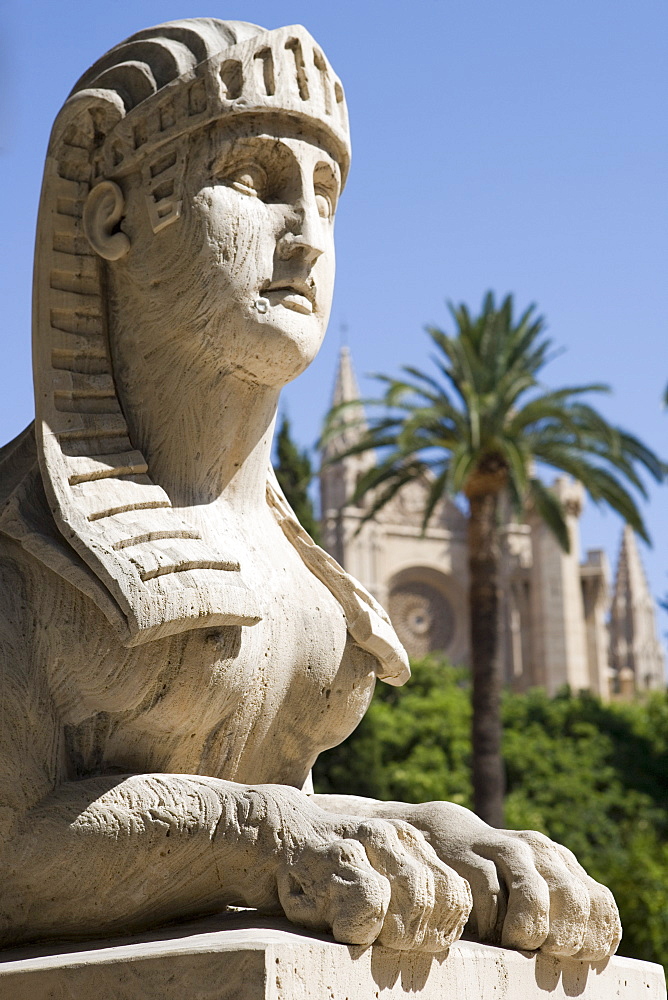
point(518, 146)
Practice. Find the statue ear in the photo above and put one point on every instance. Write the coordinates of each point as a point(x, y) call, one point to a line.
point(102, 212)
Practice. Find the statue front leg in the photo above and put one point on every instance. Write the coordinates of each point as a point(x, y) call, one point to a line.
point(106, 855)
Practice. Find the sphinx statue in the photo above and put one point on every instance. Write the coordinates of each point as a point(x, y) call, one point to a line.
point(175, 650)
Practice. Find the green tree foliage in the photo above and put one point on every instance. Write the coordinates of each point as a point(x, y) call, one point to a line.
point(413, 744)
point(294, 473)
point(592, 776)
point(474, 425)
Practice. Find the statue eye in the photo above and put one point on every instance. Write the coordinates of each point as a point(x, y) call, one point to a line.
point(324, 203)
point(326, 190)
point(249, 179)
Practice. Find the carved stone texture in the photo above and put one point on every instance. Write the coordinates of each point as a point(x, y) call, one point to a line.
point(176, 651)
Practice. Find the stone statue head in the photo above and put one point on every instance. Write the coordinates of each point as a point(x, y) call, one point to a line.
point(130, 153)
point(157, 167)
point(203, 150)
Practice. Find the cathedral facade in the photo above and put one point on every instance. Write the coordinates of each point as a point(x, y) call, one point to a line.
point(561, 621)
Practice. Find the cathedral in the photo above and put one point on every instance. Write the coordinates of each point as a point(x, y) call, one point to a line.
point(561, 622)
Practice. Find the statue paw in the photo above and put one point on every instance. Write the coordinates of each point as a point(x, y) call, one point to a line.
point(378, 882)
point(528, 892)
point(552, 903)
point(532, 894)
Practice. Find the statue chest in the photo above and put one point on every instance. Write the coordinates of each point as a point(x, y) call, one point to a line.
point(253, 704)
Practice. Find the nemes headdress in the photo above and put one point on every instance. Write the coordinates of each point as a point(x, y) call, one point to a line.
point(133, 111)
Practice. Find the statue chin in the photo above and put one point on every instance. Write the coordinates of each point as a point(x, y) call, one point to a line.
point(296, 339)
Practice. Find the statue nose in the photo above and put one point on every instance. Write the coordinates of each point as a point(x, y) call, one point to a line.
point(295, 245)
point(303, 238)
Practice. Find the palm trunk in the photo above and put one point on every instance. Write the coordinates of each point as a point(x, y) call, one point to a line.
point(488, 770)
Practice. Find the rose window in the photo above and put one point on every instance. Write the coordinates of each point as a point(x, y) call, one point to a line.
point(422, 617)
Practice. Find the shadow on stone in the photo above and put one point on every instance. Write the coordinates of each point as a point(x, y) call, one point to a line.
point(572, 974)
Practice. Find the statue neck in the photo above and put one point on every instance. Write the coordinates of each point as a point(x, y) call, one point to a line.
point(205, 436)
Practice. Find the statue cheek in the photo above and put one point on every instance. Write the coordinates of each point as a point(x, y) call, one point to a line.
point(241, 233)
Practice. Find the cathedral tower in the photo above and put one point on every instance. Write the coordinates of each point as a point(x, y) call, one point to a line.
point(338, 479)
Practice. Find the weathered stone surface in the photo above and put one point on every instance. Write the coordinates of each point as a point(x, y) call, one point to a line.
point(228, 958)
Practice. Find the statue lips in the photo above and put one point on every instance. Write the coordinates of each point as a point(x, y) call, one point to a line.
point(296, 294)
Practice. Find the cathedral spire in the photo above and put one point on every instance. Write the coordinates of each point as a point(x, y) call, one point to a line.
point(339, 477)
point(346, 388)
point(636, 655)
point(351, 423)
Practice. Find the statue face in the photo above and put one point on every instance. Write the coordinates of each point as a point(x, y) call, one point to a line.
point(247, 272)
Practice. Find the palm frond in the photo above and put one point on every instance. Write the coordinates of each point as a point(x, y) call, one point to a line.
point(603, 487)
point(518, 465)
point(639, 452)
point(437, 490)
point(462, 464)
point(395, 479)
point(554, 403)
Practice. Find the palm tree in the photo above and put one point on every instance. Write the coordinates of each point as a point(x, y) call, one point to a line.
point(476, 427)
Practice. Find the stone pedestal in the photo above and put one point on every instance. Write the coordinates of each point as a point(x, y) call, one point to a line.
point(225, 958)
